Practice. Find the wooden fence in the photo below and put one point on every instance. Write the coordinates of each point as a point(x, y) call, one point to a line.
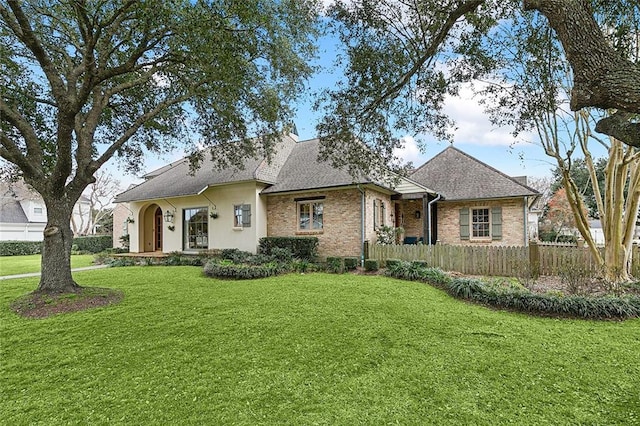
point(536, 259)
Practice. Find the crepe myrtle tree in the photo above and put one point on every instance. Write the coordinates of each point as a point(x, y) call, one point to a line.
point(82, 82)
point(402, 58)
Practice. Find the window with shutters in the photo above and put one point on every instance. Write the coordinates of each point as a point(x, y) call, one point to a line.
point(242, 216)
point(379, 213)
point(481, 223)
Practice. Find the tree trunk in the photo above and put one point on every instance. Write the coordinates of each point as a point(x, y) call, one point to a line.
point(56, 250)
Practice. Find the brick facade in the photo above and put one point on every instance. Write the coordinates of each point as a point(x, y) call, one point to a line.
point(513, 226)
point(342, 210)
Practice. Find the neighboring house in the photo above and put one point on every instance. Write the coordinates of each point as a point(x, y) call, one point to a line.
point(23, 213)
point(478, 204)
point(297, 195)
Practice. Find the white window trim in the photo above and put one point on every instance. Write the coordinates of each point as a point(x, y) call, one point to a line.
point(473, 237)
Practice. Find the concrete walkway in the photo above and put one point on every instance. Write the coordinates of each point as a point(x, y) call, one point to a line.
point(37, 274)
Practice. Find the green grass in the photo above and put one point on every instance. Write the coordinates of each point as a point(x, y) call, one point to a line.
point(307, 349)
point(12, 265)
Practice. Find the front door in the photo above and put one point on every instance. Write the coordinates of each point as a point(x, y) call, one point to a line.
point(157, 231)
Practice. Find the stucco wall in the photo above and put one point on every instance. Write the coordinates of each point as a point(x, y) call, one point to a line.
point(513, 225)
point(221, 231)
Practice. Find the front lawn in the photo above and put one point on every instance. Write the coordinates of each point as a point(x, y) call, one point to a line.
point(307, 349)
point(12, 265)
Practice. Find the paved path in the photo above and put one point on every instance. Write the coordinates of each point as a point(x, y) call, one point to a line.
point(37, 274)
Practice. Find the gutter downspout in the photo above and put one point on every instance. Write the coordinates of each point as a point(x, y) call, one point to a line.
point(525, 209)
point(438, 196)
point(362, 203)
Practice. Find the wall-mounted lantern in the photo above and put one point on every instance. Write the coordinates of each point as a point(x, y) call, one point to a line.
point(168, 216)
point(417, 214)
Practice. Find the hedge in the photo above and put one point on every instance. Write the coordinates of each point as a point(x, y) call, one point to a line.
point(20, 248)
point(301, 247)
point(91, 244)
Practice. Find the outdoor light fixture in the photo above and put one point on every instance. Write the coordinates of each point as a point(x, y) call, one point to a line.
point(168, 216)
point(417, 214)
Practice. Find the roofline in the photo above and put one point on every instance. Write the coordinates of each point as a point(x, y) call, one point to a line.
point(329, 188)
point(535, 192)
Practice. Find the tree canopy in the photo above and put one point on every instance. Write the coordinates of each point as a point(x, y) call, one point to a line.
point(402, 58)
point(82, 82)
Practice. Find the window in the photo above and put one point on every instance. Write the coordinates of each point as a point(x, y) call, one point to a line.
point(310, 216)
point(480, 223)
point(242, 216)
point(37, 210)
point(196, 228)
point(379, 213)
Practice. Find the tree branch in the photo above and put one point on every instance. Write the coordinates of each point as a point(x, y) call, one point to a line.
point(13, 117)
point(602, 78)
point(620, 126)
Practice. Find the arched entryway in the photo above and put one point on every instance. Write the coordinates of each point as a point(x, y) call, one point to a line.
point(151, 229)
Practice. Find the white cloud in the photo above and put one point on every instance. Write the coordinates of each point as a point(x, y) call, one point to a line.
point(410, 151)
point(472, 123)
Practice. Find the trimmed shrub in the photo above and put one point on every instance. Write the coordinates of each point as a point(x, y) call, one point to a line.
point(390, 263)
point(351, 263)
point(226, 269)
point(301, 247)
point(20, 248)
point(371, 265)
point(335, 265)
point(93, 243)
point(282, 254)
point(235, 255)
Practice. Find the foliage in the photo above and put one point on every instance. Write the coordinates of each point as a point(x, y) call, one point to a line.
point(93, 244)
point(84, 82)
point(225, 269)
point(386, 235)
point(371, 265)
point(579, 173)
point(415, 355)
point(335, 265)
point(235, 255)
point(20, 248)
point(392, 262)
point(300, 247)
point(351, 263)
point(559, 214)
point(414, 271)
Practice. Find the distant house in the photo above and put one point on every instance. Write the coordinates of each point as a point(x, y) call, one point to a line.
point(23, 213)
point(298, 195)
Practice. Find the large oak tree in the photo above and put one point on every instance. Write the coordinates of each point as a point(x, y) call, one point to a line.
point(402, 57)
point(84, 81)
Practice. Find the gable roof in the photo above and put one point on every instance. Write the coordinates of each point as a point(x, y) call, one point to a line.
point(11, 211)
point(456, 175)
point(174, 180)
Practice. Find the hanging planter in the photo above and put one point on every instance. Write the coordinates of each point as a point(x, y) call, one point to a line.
point(214, 214)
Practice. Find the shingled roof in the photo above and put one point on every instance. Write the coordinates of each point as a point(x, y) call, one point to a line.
point(174, 180)
point(303, 171)
point(456, 175)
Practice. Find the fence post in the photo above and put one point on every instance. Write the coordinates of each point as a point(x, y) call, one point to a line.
point(534, 259)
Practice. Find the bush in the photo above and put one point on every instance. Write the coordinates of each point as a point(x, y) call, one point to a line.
point(335, 265)
point(226, 269)
point(235, 255)
point(371, 265)
point(282, 254)
point(351, 263)
point(390, 263)
point(93, 243)
point(300, 247)
point(546, 304)
point(20, 248)
point(413, 271)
